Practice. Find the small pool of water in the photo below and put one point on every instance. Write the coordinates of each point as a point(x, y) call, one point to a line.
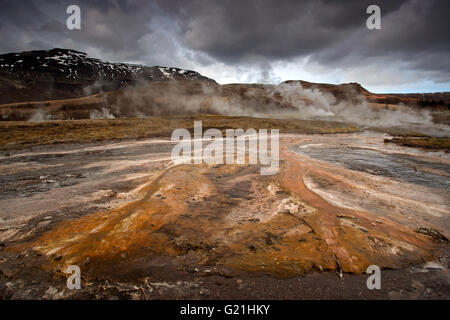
point(397, 166)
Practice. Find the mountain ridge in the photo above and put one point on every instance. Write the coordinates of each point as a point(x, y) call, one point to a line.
point(67, 84)
point(41, 75)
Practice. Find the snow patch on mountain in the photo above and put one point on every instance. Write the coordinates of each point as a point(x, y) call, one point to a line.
point(74, 65)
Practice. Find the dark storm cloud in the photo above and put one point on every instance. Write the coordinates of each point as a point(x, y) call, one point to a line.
point(109, 28)
point(332, 32)
point(412, 32)
point(250, 33)
point(230, 30)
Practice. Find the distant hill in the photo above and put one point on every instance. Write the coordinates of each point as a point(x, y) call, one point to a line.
point(67, 84)
point(345, 91)
point(65, 74)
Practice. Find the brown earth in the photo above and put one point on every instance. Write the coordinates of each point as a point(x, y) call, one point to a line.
point(199, 212)
point(18, 134)
point(196, 96)
point(217, 222)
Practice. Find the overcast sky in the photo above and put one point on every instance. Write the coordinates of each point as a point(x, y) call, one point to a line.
point(251, 40)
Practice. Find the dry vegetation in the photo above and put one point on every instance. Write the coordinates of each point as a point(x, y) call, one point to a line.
point(20, 134)
point(422, 142)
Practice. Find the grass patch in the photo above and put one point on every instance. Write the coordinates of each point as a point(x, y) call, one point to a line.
point(422, 142)
point(20, 134)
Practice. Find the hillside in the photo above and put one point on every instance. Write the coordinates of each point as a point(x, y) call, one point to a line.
point(64, 74)
point(67, 84)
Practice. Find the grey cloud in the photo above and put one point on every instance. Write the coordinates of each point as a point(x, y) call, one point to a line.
point(250, 34)
point(231, 30)
point(330, 32)
point(112, 29)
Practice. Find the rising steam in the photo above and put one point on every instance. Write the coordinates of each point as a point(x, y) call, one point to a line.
point(39, 115)
point(286, 100)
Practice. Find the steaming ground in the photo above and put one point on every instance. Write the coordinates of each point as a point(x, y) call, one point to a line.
point(287, 100)
point(348, 103)
point(142, 228)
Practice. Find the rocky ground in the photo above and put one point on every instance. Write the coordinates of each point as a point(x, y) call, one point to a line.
point(141, 227)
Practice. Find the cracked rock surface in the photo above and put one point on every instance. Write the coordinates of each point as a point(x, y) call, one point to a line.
point(140, 227)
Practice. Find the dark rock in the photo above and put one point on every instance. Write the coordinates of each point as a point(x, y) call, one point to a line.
point(65, 74)
point(433, 233)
